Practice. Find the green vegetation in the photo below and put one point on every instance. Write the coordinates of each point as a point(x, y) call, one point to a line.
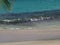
point(7, 4)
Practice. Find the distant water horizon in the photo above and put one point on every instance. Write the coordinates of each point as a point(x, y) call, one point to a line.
point(21, 6)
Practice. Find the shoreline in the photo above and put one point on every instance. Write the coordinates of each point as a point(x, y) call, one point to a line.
point(30, 37)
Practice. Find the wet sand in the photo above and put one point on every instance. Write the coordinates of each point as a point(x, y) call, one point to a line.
point(28, 35)
point(47, 36)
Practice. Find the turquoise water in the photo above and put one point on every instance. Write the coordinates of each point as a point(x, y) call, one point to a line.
point(21, 6)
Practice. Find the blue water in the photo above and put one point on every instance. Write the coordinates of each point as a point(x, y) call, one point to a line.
point(21, 6)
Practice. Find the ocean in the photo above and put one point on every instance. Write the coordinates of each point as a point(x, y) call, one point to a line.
point(21, 7)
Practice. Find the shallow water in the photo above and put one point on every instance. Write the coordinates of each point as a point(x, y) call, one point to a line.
point(33, 25)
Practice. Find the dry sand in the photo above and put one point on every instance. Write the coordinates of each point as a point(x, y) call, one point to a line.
point(30, 37)
point(49, 42)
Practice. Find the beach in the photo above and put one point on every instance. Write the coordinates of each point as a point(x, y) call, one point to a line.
point(45, 33)
point(30, 36)
point(30, 22)
point(51, 42)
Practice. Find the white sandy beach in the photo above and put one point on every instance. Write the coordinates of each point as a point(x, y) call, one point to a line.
point(44, 34)
point(51, 42)
point(30, 37)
